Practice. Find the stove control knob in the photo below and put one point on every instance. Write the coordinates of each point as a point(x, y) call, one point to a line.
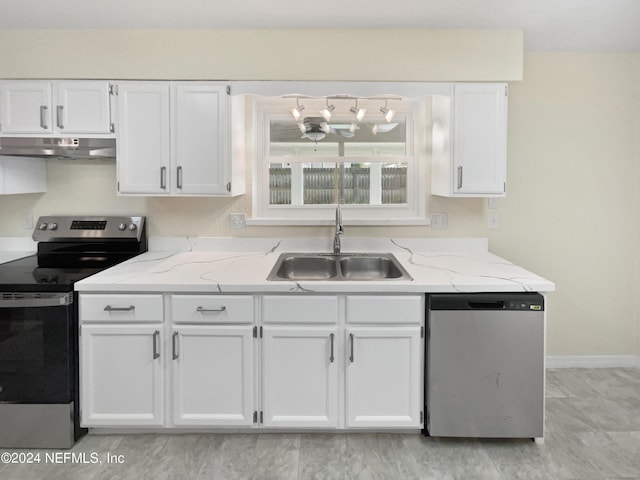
point(53, 226)
point(122, 227)
point(133, 227)
point(42, 226)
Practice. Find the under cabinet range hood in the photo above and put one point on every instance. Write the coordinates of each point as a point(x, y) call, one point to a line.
point(66, 147)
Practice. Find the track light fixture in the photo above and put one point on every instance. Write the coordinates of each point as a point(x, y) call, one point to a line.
point(358, 112)
point(326, 112)
point(386, 112)
point(297, 110)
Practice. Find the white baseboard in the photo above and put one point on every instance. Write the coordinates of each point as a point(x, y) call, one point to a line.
point(593, 361)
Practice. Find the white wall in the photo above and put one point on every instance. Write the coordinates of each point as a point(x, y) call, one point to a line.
point(571, 213)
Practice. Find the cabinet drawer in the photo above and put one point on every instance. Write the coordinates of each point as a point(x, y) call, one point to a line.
point(385, 309)
point(201, 309)
point(121, 308)
point(300, 309)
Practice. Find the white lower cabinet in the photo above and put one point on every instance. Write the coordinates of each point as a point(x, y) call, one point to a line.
point(300, 381)
point(195, 360)
point(122, 375)
point(384, 376)
point(212, 375)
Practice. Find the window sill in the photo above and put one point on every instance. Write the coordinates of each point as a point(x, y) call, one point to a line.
point(315, 222)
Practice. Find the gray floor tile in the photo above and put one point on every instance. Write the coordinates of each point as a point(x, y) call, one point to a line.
point(466, 459)
point(568, 382)
point(518, 459)
point(612, 382)
point(419, 458)
point(371, 457)
point(228, 457)
point(277, 457)
point(323, 457)
point(592, 433)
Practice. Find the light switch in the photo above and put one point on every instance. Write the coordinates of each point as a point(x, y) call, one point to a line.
point(494, 221)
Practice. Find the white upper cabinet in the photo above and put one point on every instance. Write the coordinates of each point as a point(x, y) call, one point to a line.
point(470, 141)
point(200, 134)
point(143, 147)
point(174, 139)
point(57, 108)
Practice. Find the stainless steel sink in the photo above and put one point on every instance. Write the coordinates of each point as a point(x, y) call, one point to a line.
point(337, 267)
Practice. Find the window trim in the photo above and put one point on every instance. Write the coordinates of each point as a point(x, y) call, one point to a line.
point(412, 213)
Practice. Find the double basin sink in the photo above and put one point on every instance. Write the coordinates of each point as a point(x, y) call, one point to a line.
point(338, 267)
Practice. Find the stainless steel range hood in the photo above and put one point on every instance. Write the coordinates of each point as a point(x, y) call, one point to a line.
point(67, 147)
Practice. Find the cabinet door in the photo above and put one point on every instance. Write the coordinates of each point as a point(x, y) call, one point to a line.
point(25, 107)
point(121, 377)
point(479, 138)
point(383, 377)
point(212, 370)
point(199, 130)
point(143, 154)
point(300, 386)
point(82, 107)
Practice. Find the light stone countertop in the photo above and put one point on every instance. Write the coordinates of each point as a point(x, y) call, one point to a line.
point(237, 265)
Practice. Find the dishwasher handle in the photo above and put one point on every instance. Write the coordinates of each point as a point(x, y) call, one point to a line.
point(499, 305)
point(507, 301)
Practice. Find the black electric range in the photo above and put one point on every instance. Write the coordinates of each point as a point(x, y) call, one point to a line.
point(39, 395)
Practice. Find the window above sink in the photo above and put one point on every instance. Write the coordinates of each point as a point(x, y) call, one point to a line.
point(373, 166)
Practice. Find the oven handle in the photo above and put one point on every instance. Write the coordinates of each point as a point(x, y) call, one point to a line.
point(33, 300)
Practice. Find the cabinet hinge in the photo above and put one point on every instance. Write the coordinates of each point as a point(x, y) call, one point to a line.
point(506, 90)
point(255, 332)
point(228, 186)
point(421, 332)
point(228, 89)
point(261, 417)
point(255, 416)
point(113, 89)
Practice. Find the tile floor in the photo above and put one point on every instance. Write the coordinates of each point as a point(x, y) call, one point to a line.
point(593, 432)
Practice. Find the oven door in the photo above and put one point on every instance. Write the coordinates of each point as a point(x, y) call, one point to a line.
point(36, 348)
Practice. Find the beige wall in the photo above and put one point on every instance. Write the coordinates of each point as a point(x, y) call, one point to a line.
point(571, 213)
point(420, 55)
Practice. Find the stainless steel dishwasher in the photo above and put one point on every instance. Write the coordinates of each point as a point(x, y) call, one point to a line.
point(485, 365)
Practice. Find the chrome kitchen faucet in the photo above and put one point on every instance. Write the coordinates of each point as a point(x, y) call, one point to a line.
point(337, 245)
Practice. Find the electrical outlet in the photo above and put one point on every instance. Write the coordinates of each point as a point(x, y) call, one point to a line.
point(27, 221)
point(439, 221)
point(494, 221)
point(492, 202)
point(237, 220)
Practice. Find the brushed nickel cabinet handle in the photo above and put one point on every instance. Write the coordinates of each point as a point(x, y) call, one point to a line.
point(59, 109)
point(163, 178)
point(179, 178)
point(351, 357)
point(156, 336)
point(43, 116)
point(174, 345)
point(331, 357)
point(459, 177)
point(204, 310)
point(109, 308)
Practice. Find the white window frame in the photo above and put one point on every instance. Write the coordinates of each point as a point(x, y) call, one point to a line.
point(412, 213)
